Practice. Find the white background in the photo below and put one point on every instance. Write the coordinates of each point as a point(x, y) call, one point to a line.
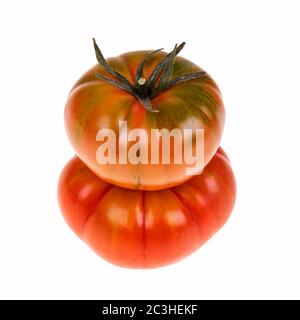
point(252, 50)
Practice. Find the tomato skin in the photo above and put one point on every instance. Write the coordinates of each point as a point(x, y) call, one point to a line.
point(146, 229)
point(94, 104)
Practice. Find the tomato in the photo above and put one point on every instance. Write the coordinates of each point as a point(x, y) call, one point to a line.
point(146, 229)
point(180, 95)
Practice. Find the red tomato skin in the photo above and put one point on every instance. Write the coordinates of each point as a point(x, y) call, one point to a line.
point(94, 104)
point(146, 229)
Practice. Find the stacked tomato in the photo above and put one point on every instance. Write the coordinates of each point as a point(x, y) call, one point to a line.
point(132, 211)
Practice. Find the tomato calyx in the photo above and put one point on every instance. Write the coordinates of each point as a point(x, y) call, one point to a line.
point(146, 89)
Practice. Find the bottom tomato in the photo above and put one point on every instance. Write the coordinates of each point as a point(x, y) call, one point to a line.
point(146, 229)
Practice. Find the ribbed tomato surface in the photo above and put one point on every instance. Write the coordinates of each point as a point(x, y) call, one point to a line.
point(146, 229)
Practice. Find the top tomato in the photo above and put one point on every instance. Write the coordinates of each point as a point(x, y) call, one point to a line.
point(162, 95)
